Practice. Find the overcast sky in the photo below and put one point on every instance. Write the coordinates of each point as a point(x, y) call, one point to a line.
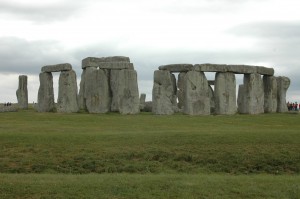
point(35, 33)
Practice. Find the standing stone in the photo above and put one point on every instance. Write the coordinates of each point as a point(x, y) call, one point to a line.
point(211, 94)
point(163, 93)
point(196, 94)
point(283, 84)
point(96, 90)
point(142, 101)
point(81, 99)
point(67, 101)
point(46, 93)
point(225, 94)
point(180, 92)
point(125, 92)
point(270, 94)
point(240, 99)
point(252, 96)
point(22, 92)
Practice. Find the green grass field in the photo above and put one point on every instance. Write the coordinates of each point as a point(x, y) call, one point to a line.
point(52, 155)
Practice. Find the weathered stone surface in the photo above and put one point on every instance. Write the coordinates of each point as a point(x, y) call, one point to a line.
point(241, 69)
point(96, 91)
point(56, 68)
point(45, 93)
point(225, 94)
point(241, 100)
point(270, 94)
point(148, 106)
point(22, 92)
point(283, 84)
point(95, 61)
point(264, 70)
point(252, 101)
point(163, 93)
point(211, 82)
point(67, 101)
point(211, 94)
point(81, 98)
point(177, 67)
point(180, 92)
point(197, 101)
point(142, 101)
point(125, 92)
point(115, 65)
point(211, 67)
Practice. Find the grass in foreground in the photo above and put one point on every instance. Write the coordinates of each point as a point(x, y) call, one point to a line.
point(148, 186)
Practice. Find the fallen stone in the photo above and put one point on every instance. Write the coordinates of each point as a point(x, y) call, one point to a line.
point(96, 92)
point(46, 93)
point(270, 94)
point(177, 67)
point(283, 84)
point(163, 93)
point(56, 68)
point(67, 101)
point(197, 101)
point(22, 92)
point(225, 94)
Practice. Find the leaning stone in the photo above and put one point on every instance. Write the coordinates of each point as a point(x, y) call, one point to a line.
point(81, 98)
point(96, 91)
point(67, 101)
point(265, 71)
point(142, 101)
point(253, 98)
point(22, 92)
point(56, 68)
point(46, 93)
point(211, 67)
point(196, 94)
point(241, 69)
point(283, 84)
point(177, 67)
point(115, 65)
point(225, 94)
point(125, 93)
point(270, 94)
point(163, 93)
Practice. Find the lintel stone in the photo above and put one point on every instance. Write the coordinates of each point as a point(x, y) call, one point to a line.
point(177, 67)
point(56, 68)
point(94, 61)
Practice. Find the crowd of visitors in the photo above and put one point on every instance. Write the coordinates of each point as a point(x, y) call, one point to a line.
point(8, 104)
point(293, 106)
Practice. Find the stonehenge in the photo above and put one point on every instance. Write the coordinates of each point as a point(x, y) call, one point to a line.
point(109, 84)
point(22, 92)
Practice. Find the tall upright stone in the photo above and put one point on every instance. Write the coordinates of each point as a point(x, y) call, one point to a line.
point(142, 101)
point(96, 90)
point(46, 93)
point(67, 101)
point(211, 94)
point(270, 94)
point(197, 101)
point(163, 93)
point(125, 92)
point(241, 100)
point(22, 92)
point(81, 98)
point(283, 84)
point(252, 96)
point(225, 94)
point(180, 92)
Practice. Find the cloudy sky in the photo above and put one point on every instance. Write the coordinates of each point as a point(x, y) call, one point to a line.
point(35, 33)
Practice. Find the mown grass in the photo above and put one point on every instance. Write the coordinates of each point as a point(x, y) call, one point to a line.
point(148, 156)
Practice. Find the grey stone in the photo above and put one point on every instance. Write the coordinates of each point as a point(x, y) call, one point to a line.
point(163, 93)
point(148, 106)
point(56, 68)
point(177, 67)
point(96, 91)
point(197, 101)
point(115, 65)
point(125, 93)
point(211, 82)
point(240, 99)
point(211, 94)
point(180, 92)
point(211, 67)
point(283, 84)
point(22, 92)
point(225, 94)
point(45, 93)
point(95, 61)
point(142, 101)
point(67, 101)
point(81, 98)
point(265, 71)
point(270, 94)
point(241, 69)
point(253, 95)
